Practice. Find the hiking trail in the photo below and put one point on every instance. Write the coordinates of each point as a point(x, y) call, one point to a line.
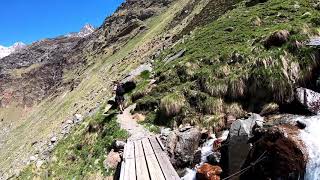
point(127, 122)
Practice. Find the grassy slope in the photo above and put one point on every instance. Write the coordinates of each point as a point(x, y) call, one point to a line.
point(96, 87)
point(206, 74)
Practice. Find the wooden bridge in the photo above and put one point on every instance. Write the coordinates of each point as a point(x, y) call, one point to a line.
point(146, 159)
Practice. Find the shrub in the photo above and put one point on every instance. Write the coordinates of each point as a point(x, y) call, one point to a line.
point(213, 105)
point(172, 104)
point(235, 109)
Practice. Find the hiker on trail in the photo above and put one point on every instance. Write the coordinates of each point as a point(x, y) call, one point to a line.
point(120, 96)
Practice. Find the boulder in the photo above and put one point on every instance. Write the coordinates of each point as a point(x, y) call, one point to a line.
point(309, 99)
point(112, 160)
point(278, 154)
point(208, 172)
point(188, 143)
point(238, 147)
point(277, 39)
point(181, 146)
point(53, 139)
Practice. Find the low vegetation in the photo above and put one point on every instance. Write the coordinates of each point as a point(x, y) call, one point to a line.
point(81, 155)
point(252, 55)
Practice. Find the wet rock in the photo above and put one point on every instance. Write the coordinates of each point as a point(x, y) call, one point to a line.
point(238, 147)
point(279, 154)
point(301, 125)
point(309, 99)
point(277, 39)
point(208, 172)
point(197, 157)
point(112, 160)
point(214, 158)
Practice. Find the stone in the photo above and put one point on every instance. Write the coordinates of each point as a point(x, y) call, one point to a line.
point(187, 144)
point(240, 133)
point(309, 99)
point(53, 139)
point(171, 143)
point(214, 158)
point(197, 157)
point(208, 172)
point(33, 158)
point(77, 118)
point(112, 160)
point(282, 152)
point(119, 145)
point(39, 163)
point(301, 125)
point(69, 121)
point(175, 56)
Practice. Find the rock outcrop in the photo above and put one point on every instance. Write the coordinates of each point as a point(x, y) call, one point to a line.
point(278, 154)
point(309, 99)
point(182, 146)
point(238, 146)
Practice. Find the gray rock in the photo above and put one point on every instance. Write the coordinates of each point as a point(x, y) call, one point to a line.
point(238, 147)
point(309, 99)
point(39, 163)
point(119, 145)
point(174, 57)
point(77, 118)
point(187, 144)
point(53, 139)
point(214, 158)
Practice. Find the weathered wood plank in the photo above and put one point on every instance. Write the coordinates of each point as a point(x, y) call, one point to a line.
point(141, 164)
point(163, 160)
point(130, 169)
point(152, 162)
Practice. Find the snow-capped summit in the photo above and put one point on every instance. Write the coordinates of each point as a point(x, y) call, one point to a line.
point(85, 31)
point(6, 51)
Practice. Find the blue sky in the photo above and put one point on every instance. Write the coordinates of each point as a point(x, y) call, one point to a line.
point(31, 20)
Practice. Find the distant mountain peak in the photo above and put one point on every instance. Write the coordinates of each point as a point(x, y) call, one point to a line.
point(86, 30)
point(6, 51)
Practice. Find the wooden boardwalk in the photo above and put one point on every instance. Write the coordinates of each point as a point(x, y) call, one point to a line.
point(146, 159)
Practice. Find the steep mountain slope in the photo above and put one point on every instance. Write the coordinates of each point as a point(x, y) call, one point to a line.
point(251, 56)
point(53, 79)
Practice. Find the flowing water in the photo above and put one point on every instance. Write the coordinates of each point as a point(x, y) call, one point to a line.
point(206, 150)
point(311, 138)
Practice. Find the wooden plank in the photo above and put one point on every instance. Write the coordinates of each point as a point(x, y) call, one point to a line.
point(160, 142)
point(129, 169)
point(164, 162)
point(123, 163)
point(141, 164)
point(152, 162)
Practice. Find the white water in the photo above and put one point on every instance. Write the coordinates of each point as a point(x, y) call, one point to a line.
point(311, 138)
point(206, 150)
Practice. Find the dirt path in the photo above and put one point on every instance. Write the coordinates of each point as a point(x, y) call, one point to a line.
point(128, 123)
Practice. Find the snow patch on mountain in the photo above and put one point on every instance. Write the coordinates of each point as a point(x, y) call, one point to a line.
point(6, 51)
point(85, 31)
